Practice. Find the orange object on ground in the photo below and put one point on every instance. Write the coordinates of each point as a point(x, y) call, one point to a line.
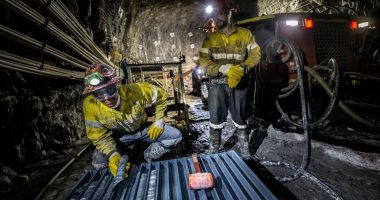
point(200, 180)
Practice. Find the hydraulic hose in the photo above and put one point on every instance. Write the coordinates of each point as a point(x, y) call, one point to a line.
point(287, 91)
point(301, 170)
point(333, 98)
point(305, 125)
point(283, 92)
point(342, 105)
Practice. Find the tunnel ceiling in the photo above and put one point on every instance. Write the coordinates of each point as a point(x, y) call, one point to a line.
point(149, 31)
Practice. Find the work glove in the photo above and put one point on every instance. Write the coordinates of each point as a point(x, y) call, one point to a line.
point(232, 82)
point(156, 129)
point(114, 162)
point(235, 72)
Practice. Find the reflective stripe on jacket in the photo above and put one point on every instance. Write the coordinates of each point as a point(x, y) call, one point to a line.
point(100, 120)
point(238, 48)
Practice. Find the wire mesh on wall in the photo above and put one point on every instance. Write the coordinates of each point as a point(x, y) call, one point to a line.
point(350, 7)
point(267, 7)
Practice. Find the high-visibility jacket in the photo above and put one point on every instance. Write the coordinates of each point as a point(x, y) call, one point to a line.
point(238, 48)
point(101, 120)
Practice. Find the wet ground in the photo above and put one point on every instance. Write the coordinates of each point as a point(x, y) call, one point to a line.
point(343, 158)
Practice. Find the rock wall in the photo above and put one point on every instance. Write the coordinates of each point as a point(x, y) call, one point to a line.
point(39, 117)
point(158, 33)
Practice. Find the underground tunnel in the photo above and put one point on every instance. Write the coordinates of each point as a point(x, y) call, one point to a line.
point(201, 99)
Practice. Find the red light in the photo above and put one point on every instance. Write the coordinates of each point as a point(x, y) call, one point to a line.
point(308, 24)
point(354, 25)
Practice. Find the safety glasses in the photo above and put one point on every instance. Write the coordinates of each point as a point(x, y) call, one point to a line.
point(109, 92)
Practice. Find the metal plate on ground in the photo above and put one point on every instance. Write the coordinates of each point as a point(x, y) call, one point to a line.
point(233, 179)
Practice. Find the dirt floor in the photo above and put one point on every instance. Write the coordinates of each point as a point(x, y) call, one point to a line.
point(344, 160)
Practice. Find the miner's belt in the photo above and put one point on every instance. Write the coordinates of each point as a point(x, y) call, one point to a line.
point(222, 80)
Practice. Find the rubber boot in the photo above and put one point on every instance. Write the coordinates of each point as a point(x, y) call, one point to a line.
point(155, 151)
point(214, 142)
point(242, 135)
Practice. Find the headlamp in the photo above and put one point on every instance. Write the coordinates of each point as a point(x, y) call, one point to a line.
point(209, 9)
point(94, 79)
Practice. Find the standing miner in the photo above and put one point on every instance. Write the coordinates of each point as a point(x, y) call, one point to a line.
point(227, 54)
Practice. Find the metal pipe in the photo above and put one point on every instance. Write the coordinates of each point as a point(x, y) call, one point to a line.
point(33, 43)
point(34, 17)
point(12, 66)
point(30, 66)
point(59, 10)
point(26, 68)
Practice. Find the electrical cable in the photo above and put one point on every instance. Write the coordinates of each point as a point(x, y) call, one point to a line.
point(305, 175)
point(289, 90)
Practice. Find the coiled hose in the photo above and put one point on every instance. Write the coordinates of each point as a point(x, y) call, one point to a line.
point(333, 94)
point(269, 46)
point(285, 92)
point(301, 170)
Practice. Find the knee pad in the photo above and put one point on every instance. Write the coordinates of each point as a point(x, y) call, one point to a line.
point(171, 142)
